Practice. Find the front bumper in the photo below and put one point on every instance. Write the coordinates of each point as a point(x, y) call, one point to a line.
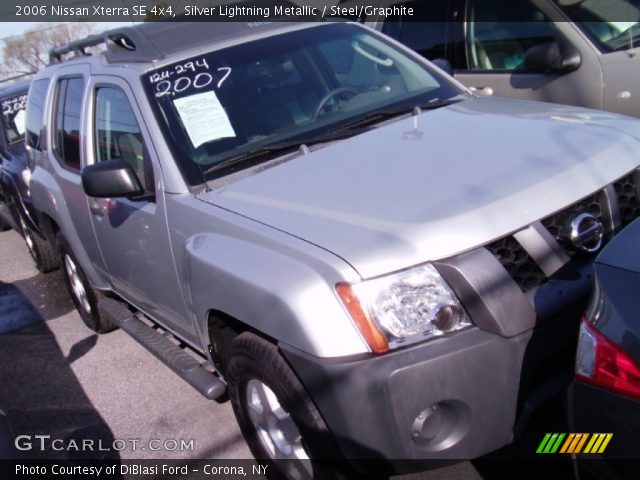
point(461, 396)
point(450, 398)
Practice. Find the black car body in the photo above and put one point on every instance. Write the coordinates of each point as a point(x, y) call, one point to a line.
point(13, 100)
point(16, 209)
point(7, 449)
point(606, 394)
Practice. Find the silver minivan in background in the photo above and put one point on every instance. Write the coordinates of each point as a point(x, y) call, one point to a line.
point(576, 52)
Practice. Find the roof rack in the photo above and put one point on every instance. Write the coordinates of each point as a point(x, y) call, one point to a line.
point(125, 44)
point(16, 77)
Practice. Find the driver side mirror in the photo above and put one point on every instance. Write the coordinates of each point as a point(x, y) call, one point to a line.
point(111, 178)
point(552, 57)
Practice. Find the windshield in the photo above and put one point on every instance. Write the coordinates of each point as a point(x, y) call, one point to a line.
point(13, 116)
point(302, 84)
point(612, 24)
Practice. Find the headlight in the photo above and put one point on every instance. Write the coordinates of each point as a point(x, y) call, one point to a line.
point(412, 305)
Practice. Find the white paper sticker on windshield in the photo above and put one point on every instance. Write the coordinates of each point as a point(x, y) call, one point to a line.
point(18, 121)
point(204, 118)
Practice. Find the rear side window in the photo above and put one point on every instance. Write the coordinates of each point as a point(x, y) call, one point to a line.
point(496, 42)
point(67, 121)
point(118, 135)
point(35, 112)
point(13, 118)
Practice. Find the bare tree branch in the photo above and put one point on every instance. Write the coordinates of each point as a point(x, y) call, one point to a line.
point(29, 52)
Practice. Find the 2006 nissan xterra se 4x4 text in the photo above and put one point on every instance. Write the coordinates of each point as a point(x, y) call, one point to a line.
point(378, 263)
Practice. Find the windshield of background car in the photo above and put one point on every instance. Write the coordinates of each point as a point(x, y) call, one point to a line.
point(221, 105)
point(13, 117)
point(612, 24)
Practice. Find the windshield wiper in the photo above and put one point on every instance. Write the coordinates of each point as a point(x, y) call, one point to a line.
point(299, 143)
point(252, 155)
point(381, 115)
point(343, 131)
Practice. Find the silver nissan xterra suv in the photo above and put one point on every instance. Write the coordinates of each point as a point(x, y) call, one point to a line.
point(378, 263)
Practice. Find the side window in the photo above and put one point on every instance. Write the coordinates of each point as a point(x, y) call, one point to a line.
point(35, 112)
point(67, 121)
point(495, 41)
point(117, 134)
point(13, 118)
point(428, 36)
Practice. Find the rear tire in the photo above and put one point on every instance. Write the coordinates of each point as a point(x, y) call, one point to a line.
point(4, 226)
point(41, 251)
point(84, 296)
point(275, 414)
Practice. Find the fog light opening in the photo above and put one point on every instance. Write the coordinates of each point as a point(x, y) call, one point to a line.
point(427, 425)
point(441, 426)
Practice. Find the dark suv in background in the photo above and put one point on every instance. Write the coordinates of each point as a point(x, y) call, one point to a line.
point(16, 209)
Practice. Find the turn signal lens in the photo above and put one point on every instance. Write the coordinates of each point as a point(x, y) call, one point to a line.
point(371, 333)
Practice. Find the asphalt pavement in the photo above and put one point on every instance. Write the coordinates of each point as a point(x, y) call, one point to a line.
point(59, 379)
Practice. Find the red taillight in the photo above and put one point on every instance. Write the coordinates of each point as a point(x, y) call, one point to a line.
point(613, 369)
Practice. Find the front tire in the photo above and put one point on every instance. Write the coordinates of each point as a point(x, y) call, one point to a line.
point(84, 296)
point(277, 418)
point(41, 251)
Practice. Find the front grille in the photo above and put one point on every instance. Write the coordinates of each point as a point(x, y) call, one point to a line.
point(558, 223)
point(518, 263)
point(628, 200)
point(525, 271)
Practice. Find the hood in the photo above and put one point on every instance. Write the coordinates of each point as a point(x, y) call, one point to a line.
point(428, 187)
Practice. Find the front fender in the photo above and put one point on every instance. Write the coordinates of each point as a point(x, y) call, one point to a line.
point(274, 293)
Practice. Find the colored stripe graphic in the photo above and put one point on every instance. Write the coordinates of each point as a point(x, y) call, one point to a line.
point(556, 445)
point(574, 443)
point(581, 442)
point(567, 443)
point(594, 437)
point(598, 443)
point(577, 439)
point(550, 443)
point(606, 441)
point(543, 443)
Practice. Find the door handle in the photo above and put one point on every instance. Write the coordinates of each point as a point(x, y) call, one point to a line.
point(96, 208)
point(486, 91)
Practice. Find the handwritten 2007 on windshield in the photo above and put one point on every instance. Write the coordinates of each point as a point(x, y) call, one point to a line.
point(180, 77)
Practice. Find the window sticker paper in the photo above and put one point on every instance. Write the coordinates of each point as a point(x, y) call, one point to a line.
point(204, 118)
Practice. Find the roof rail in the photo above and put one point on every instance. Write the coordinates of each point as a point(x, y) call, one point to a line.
point(125, 44)
point(16, 77)
point(77, 46)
